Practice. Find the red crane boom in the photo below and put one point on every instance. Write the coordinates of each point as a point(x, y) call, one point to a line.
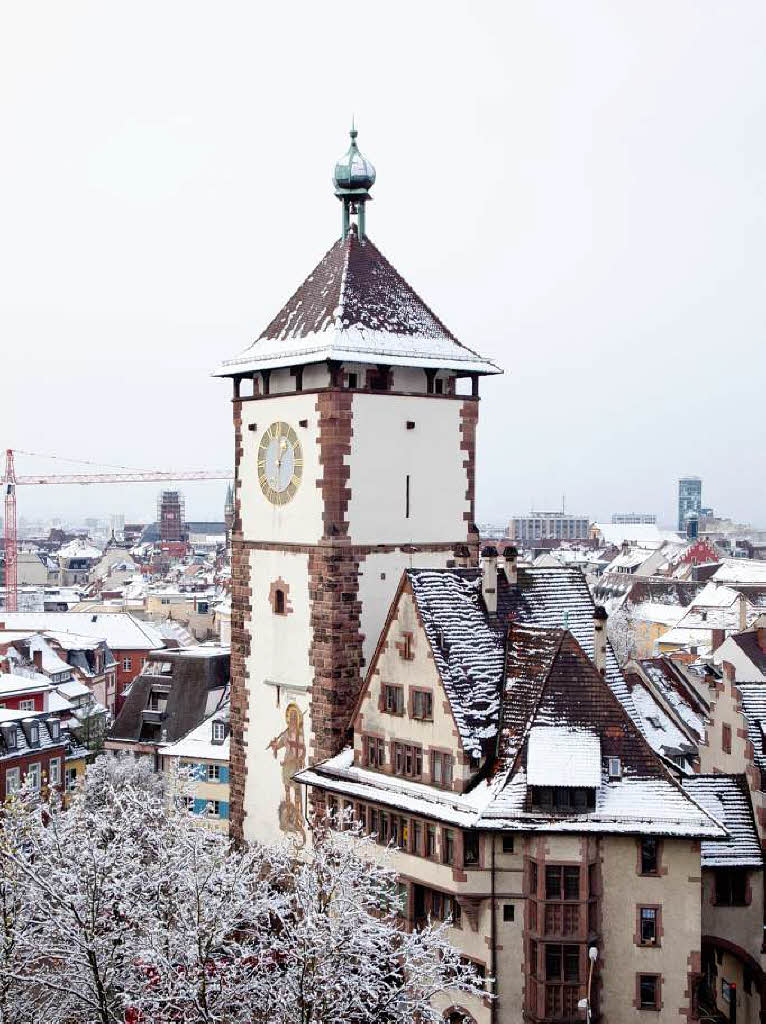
point(11, 481)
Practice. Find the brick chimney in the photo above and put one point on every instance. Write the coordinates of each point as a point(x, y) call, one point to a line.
point(742, 613)
point(729, 672)
point(489, 578)
point(599, 638)
point(511, 556)
point(462, 556)
point(37, 658)
point(718, 636)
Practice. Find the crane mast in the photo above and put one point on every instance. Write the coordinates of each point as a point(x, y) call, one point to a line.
point(11, 548)
point(11, 481)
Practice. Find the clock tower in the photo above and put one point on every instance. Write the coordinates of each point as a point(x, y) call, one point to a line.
point(355, 417)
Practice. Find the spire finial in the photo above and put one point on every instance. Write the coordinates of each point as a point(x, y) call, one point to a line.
point(354, 177)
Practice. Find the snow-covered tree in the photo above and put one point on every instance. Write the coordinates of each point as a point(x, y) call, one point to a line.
point(621, 631)
point(125, 907)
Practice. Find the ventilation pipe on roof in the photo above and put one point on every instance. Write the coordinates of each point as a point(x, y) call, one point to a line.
point(599, 639)
point(511, 556)
point(742, 613)
point(489, 578)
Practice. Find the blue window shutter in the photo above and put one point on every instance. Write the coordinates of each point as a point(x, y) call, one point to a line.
point(224, 773)
point(223, 809)
point(200, 806)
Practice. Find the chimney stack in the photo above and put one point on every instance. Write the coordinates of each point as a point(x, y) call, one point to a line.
point(599, 638)
point(462, 556)
point(718, 637)
point(742, 613)
point(37, 658)
point(511, 556)
point(489, 578)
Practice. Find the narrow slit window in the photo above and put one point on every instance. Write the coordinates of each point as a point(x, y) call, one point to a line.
point(407, 496)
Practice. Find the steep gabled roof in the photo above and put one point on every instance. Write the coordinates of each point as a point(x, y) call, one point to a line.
point(727, 798)
point(354, 306)
point(468, 643)
point(551, 683)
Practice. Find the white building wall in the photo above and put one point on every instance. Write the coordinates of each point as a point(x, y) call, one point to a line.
point(278, 676)
point(385, 452)
point(300, 521)
point(378, 579)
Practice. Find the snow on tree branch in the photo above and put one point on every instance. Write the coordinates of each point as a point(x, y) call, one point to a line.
point(126, 908)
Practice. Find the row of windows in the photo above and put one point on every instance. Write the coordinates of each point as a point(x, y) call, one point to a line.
point(421, 701)
point(413, 836)
point(406, 759)
point(33, 776)
point(562, 962)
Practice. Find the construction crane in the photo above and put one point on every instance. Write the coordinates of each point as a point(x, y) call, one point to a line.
point(11, 482)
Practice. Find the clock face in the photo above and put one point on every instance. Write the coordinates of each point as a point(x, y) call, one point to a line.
point(280, 463)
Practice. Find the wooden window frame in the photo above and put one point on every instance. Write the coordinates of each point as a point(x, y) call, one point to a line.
point(416, 691)
point(384, 693)
point(657, 991)
point(726, 737)
point(638, 938)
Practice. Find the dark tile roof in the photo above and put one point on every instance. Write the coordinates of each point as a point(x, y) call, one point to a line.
point(468, 643)
point(355, 283)
point(549, 680)
point(191, 678)
point(727, 798)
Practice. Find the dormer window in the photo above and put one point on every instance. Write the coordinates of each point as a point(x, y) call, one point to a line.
point(219, 732)
point(615, 768)
point(54, 727)
point(34, 734)
point(562, 799)
point(11, 739)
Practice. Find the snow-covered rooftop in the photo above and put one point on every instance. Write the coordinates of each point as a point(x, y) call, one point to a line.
point(727, 798)
point(561, 756)
point(355, 307)
point(121, 630)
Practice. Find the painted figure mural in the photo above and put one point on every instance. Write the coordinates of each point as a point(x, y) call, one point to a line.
point(291, 740)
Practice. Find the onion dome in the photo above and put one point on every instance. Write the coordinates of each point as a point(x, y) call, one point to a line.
point(353, 171)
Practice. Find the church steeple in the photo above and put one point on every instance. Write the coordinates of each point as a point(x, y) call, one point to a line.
point(354, 177)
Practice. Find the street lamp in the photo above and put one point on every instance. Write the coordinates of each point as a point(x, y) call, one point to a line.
point(584, 1004)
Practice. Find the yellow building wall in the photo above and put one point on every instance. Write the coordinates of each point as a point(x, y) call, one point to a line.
point(677, 889)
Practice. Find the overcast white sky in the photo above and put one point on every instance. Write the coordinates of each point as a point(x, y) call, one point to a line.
point(576, 188)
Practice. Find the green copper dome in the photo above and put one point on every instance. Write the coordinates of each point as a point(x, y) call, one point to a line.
point(353, 171)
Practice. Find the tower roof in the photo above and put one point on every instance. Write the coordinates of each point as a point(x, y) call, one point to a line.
point(355, 307)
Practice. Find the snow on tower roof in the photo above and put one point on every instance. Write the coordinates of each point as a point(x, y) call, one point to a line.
point(355, 307)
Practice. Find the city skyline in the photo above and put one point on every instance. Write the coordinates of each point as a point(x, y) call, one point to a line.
point(606, 261)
